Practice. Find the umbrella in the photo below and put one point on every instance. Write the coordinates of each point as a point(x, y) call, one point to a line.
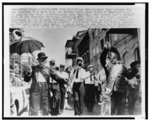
point(26, 46)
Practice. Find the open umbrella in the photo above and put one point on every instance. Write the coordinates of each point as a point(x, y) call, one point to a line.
point(28, 45)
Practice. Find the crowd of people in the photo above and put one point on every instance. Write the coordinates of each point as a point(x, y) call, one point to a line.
point(56, 88)
point(113, 87)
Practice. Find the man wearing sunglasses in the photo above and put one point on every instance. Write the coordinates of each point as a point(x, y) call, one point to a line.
point(39, 91)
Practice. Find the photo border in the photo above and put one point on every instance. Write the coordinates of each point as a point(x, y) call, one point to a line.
point(76, 3)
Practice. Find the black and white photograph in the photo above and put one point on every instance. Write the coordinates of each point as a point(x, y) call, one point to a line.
point(74, 61)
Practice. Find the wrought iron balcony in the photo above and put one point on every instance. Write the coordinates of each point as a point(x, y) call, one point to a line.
point(70, 54)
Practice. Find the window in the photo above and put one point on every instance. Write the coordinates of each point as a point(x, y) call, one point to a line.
point(96, 32)
point(93, 33)
point(137, 54)
point(93, 51)
point(97, 49)
point(128, 58)
point(114, 37)
point(102, 44)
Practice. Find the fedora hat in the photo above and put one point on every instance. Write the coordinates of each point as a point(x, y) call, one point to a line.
point(42, 55)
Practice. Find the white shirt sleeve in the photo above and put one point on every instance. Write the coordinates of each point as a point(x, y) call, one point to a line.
point(84, 74)
point(66, 75)
point(72, 74)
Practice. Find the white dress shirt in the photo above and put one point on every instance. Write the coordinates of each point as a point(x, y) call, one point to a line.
point(40, 78)
point(63, 74)
point(89, 79)
point(81, 74)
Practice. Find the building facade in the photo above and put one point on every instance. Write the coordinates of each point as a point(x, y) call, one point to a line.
point(125, 40)
point(70, 52)
point(89, 45)
point(96, 44)
point(78, 46)
point(83, 49)
point(127, 43)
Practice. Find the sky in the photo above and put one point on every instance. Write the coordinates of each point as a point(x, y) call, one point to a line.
point(54, 41)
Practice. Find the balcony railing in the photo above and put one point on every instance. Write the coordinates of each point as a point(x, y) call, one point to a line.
point(70, 54)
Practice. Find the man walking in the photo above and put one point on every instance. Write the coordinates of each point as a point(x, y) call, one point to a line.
point(55, 90)
point(63, 87)
point(90, 88)
point(68, 90)
point(77, 76)
point(39, 95)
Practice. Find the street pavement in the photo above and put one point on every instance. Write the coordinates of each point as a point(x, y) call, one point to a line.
point(96, 112)
point(70, 112)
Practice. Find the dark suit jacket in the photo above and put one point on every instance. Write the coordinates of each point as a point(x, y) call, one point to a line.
point(48, 72)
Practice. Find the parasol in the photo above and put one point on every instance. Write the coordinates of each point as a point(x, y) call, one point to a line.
point(28, 45)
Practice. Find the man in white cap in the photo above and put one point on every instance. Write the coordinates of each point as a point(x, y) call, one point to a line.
point(77, 77)
point(90, 81)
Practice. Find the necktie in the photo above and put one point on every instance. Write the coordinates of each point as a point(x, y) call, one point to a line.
point(91, 77)
point(51, 80)
point(77, 72)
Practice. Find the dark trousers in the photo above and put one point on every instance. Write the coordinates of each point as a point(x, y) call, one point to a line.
point(89, 96)
point(39, 99)
point(54, 99)
point(62, 97)
point(118, 103)
point(98, 91)
point(78, 98)
point(132, 98)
